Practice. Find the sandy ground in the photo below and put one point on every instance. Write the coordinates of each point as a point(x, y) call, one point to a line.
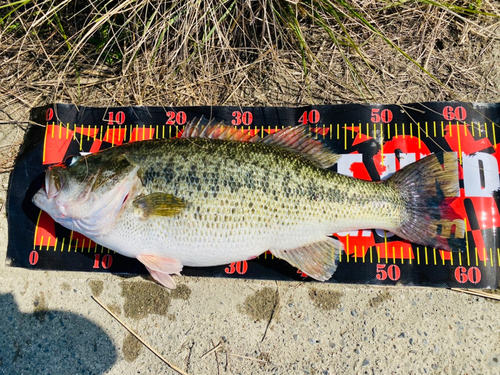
point(49, 324)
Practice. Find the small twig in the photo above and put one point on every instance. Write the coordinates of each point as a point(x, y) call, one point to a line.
point(173, 367)
point(27, 122)
point(218, 347)
point(215, 348)
point(477, 293)
point(188, 361)
point(272, 312)
point(216, 356)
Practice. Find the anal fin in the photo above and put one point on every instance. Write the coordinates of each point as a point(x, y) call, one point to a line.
point(161, 268)
point(318, 260)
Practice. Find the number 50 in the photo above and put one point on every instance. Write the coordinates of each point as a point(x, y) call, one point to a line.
point(393, 272)
point(381, 116)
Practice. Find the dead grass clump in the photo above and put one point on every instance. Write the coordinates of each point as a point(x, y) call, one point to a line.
point(266, 52)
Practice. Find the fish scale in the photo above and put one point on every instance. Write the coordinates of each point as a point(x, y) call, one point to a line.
point(201, 201)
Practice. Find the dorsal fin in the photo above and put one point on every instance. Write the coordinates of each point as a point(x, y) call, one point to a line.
point(298, 139)
point(217, 130)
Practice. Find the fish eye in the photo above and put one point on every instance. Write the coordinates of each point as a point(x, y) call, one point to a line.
point(71, 160)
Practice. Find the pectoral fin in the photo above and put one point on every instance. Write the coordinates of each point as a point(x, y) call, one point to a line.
point(317, 260)
point(158, 204)
point(161, 268)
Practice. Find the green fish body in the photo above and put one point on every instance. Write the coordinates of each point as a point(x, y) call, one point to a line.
point(217, 196)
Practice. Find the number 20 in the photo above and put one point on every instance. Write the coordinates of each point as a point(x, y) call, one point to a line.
point(176, 118)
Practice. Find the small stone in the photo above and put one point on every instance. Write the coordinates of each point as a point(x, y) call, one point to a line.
point(354, 313)
point(494, 360)
point(365, 362)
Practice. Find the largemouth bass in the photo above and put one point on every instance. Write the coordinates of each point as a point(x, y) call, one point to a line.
point(218, 195)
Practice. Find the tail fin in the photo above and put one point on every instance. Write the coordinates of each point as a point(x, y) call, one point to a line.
point(427, 188)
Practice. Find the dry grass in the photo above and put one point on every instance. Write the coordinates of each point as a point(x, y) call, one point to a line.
point(246, 53)
point(266, 52)
point(239, 52)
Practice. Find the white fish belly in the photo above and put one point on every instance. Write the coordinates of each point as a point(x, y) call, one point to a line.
point(207, 243)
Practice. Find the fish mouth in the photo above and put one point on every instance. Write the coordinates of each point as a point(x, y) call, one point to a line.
point(45, 197)
point(54, 182)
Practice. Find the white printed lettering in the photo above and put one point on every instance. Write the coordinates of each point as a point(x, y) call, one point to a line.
point(480, 174)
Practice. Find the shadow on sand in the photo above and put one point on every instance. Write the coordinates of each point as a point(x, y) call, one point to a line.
point(51, 342)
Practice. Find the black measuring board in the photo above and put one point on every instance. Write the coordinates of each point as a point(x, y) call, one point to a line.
point(374, 140)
